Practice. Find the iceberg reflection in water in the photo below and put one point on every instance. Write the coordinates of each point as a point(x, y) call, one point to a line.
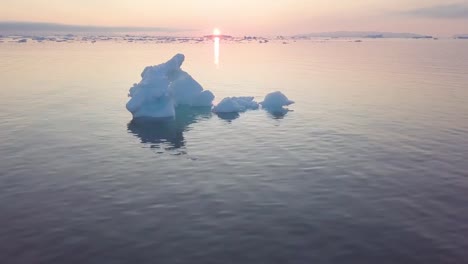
point(278, 113)
point(228, 116)
point(167, 134)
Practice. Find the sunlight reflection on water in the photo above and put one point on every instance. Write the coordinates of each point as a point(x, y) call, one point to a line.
point(216, 51)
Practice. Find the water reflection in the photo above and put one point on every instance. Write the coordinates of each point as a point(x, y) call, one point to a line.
point(278, 113)
point(167, 134)
point(228, 116)
point(216, 51)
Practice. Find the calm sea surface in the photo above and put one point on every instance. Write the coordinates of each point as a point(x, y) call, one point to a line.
point(371, 166)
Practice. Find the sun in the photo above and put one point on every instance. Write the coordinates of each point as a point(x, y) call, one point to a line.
point(216, 32)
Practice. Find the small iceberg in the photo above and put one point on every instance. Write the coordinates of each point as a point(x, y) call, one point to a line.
point(236, 105)
point(275, 101)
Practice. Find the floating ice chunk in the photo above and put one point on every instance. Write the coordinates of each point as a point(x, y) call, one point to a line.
point(163, 87)
point(275, 101)
point(247, 101)
point(228, 106)
point(236, 104)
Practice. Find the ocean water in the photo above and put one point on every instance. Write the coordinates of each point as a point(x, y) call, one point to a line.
point(369, 166)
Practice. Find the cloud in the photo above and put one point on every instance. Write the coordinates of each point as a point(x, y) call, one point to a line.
point(449, 11)
point(9, 26)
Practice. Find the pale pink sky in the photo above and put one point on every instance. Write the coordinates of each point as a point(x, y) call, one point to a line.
point(435, 17)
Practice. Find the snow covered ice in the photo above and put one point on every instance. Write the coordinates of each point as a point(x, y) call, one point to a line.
point(163, 87)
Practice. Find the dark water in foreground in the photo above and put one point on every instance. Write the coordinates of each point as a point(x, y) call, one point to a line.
point(370, 167)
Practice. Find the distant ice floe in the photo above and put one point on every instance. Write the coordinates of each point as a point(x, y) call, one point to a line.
point(138, 38)
point(165, 86)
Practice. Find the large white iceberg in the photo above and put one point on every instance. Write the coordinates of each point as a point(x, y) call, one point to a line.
point(236, 104)
point(163, 87)
point(275, 101)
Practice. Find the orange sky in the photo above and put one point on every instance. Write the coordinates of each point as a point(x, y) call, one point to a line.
point(237, 17)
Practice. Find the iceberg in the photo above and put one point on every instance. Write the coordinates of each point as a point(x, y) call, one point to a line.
point(163, 87)
point(275, 101)
point(236, 105)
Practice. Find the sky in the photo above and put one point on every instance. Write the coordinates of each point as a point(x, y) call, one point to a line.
point(241, 17)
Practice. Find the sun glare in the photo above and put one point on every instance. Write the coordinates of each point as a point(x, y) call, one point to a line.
point(216, 32)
